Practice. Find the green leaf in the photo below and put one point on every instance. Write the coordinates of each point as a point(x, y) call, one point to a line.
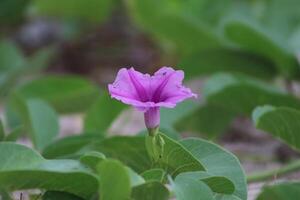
point(251, 36)
point(154, 175)
point(170, 116)
point(150, 191)
point(91, 10)
point(11, 60)
point(51, 195)
point(114, 180)
point(217, 184)
point(12, 11)
point(281, 191)
point(22, 168)
point(281, 122)
point(92, 159)
point(101, 114)
point(10, 56)
point(14, 66)
point(70, 146)
point(65, 93)
point(204, 63)
point(200, 120)
point(233, 92)
point(175, 158)
point(15, 134)
point(40, 120)
point(40, 59)
point(162, 19)
point(129, 150)
point(218, 162)
point(186, 188)
point(135, 179)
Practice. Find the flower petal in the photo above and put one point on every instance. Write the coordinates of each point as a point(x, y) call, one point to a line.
point(131, 87)
point(167, 88)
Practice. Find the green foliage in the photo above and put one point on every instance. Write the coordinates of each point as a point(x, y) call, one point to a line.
point(88, 10)
point(281, 191)
point(218, 162)
point(234, 92)
point(92, 159)
point(11, 11)
point(170, 116)
point(2, 131)
point(39, 119)
point(189, 188)
point(154, 174)
point(59, 91)
point(69, 147)
point(114, 180)
point(19, 164)
point(174, 157)
point(151, 190)
point(14, 66)
point(129, 150)
point(254, 39)
point(235, 42)
point(101, 114)
point(200, 120)
point(50, 195)
point(282, 122)
point(163, 19)
point(202, 63)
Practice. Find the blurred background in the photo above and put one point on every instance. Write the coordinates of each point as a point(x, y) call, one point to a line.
point(237, 54)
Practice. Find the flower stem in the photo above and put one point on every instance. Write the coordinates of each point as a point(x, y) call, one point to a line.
point(269, 174)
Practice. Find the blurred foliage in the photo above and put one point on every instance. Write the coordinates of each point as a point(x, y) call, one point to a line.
point(247, 49)
point(86, 10)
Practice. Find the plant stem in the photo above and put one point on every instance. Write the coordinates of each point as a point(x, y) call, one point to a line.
point(268, 174)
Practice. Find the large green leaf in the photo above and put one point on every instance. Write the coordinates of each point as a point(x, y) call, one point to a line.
point(217, 184)
point(282, 122)
point(174, 157)
point(234, 92)
point(129, 150)
point(101, 114)
point(114, 180)
point(64, 93)
point(201, 120)
point(132, 151)
point(40, 120)
point(250, 36)
point(91, 10)
point(218, 162)
point(186, 188)
point(69, 147)
point(152, 190)
point(162, 19)
point(23, 168)
point(14, 66)
point(205, 63)
point(281, 191)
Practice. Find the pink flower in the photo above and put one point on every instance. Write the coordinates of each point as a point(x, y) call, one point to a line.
point(149, 93)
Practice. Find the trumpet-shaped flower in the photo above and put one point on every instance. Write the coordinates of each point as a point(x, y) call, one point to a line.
point(149, 93)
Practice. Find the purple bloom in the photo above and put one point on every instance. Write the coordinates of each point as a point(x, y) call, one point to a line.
point(149, 93)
